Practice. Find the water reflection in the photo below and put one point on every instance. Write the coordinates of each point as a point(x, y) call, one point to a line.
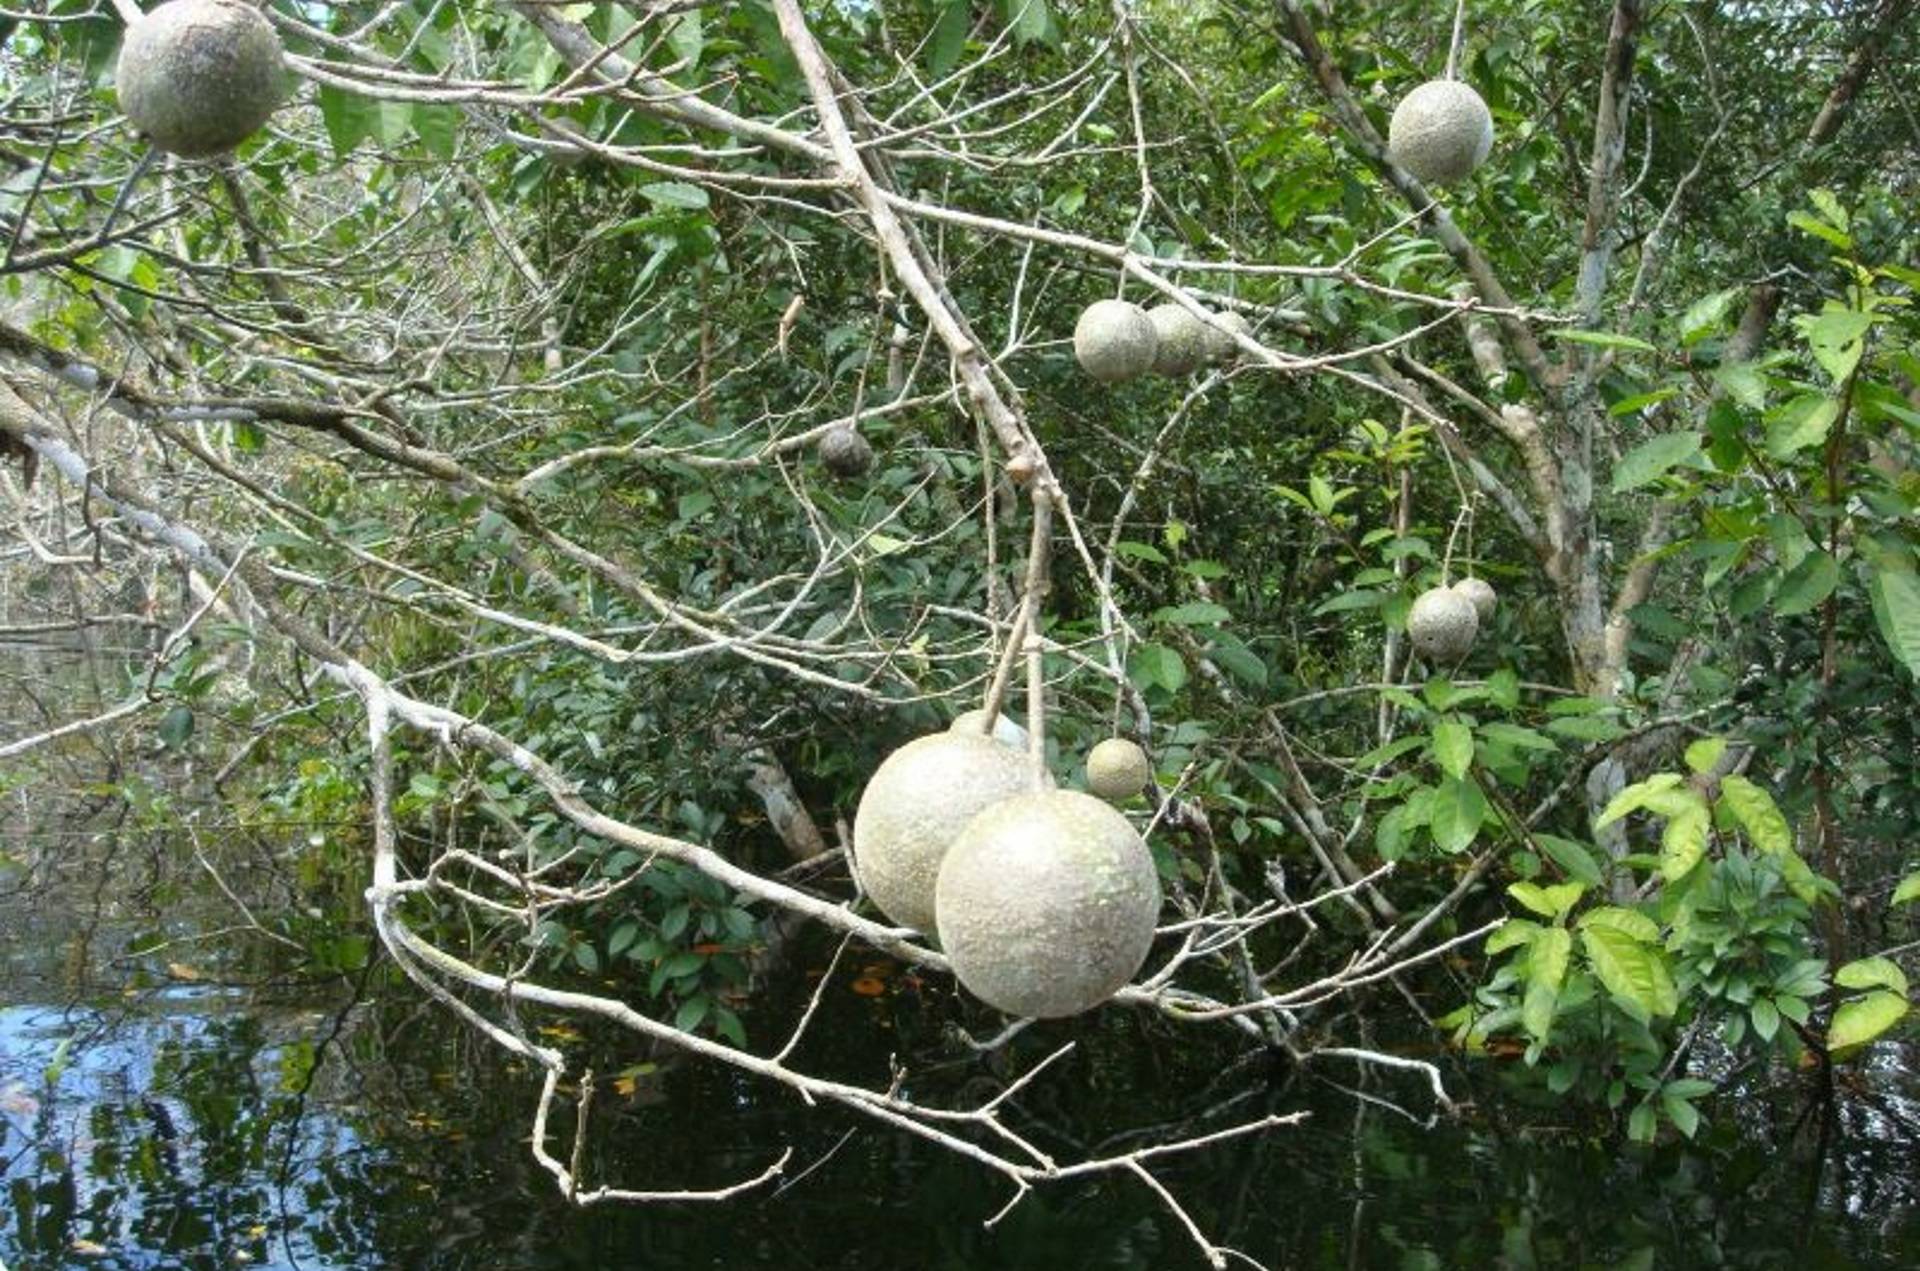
point(196, 1130)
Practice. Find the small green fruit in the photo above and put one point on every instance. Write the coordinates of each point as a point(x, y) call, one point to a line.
point(1441, 132)
point(1221, 346)
point(1442, 624)
point(1480, 592)
point(198, 77)
point(845, 453)
point(1180, 340)
point(1117, 769)
point(1114, 341)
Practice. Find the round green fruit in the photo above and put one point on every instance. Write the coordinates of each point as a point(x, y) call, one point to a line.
point(915, 806)
point(1480, 592)
point(1047, 904)
point(1180, 340)
point(1005, 731)
point(1442, 624)
point(1221, 345)
point(1115, 341)
point(198, 77)
point(1117, 769)
point(1441, 132)
point(845, 453)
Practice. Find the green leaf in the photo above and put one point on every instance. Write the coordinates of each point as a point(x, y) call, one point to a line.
point(1684, 841)
point(1642, 1122)
point(350, 118)
point(1860, 1021)
point(1632, 922)
point(1800, 422)
point(1030, 20)
point(1765, 1016)
point(1459, 809)
point(1705, 315)
point(1743, 382)
point(1837, 338)
point(1350, 600)
point(1586, 728)
point(1547, 959)
point(1453, 748)
point(1872, 973)
point(1517, 737)
point(176, 726)
point(1549, 902)
point(675, 194)
point(1576, 858)
point(1685, 1117)
point(1237, 660)
point(1510, 934)
point(1157, 664)
point(1702, 755)
point(1633, 971)
point(1389, 752)
point(1829, 206)
point(1757, 814)
point(949, 37)
point(1604, 340)
point(1806, 584)
point(1636, 796)
point(687, 37)
point(1895, 594)
point(691, 1012)
point(1650, 460)
point(1820, 229)
point(1907, 892)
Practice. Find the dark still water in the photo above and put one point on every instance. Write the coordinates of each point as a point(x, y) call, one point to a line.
point(207, 1127)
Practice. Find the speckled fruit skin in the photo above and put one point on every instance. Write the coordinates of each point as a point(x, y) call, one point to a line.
point(1441, 132)
point(845, 453)
point(1005, 731)
point(1047, 904)
point(198, 77)
point(1117, 769)
point(1443, 624)
point(1481, 593)
point(1220, 345)
point(914, 808)
point(1180, 340)
point(1114, 341)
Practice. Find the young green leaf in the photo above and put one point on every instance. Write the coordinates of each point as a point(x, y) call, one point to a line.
point(1453, 748)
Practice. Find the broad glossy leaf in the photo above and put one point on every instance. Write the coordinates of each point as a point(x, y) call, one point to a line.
point(1631, 970)
point(1860, 1021)
point(1684, 841)
point(1754, 809)
point(1633, 923)
point(1804, 421)
point(1872, 973)
point(1907, 892)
